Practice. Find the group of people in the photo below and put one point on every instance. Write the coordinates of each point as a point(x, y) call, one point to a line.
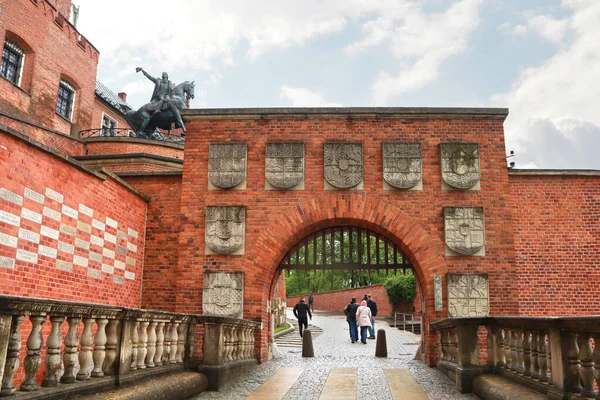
point(361, 316)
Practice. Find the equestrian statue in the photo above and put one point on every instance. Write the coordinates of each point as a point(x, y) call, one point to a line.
point(163, 110)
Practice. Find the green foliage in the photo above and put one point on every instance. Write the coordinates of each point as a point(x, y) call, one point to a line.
point(301, 282)
point(282, 328)
point(401, 288)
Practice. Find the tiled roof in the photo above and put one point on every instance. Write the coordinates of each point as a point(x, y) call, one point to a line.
point(111, 97)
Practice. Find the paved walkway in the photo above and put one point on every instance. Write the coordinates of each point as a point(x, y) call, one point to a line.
point(343, 370)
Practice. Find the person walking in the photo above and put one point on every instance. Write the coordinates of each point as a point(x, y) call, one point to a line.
point(363, 319)
point(300, 312)
point(311, 302)
point(373, 307)
point(350, 312)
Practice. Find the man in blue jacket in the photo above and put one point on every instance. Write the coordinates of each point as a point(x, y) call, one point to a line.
point(373, 306)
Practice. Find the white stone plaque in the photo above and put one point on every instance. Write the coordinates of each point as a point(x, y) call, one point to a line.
point(119, 264)
point(132, 247)
point(112, 223)
point(27, 256)
point(110, 238)
point(118, 280)
point(132, 233)
point(47, 251)
point(121, 235)
point(94, 273)
point(31, 215)
point(468, 295)
point(66, 247)
point(51, 194)
point(64, 266)
point(109, 269)
point(130, 261)
point(82, 226)
point(52, 214)
point(11, 197)
point(6, 262)
point(82, 261)
point(9, 218)
point(70, 212)
point(121, 250)
point(223, 294)
point(8, 240)
point(29, 236)
point(96, 240)
point(95, 257)
point(82, 244)
point(49, 232)
point(68, 230)
point(35, 196)
point(108, 253)
point(98, 225)
point(129, 275)
point(85, 210)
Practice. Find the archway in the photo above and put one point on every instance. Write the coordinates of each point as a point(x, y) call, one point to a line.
point(356, 210)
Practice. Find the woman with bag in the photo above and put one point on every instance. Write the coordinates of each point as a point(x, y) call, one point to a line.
point(363, 320)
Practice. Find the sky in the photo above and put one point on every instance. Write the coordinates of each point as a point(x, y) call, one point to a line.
point(539, 58)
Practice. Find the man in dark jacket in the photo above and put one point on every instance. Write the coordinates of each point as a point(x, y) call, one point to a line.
point(373, 307)
point(300, 311)
point(350, 312)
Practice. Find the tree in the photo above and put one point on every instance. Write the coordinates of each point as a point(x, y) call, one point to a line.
point(401, 288)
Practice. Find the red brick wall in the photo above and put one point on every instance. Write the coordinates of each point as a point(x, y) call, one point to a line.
point(276, 220)
point(66, 233)
point(557, 243)
point(55, 54)
point(107, 146)
point(162, 231)
point(336, 300)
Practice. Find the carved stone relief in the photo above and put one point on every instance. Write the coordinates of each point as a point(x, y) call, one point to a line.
point(468, 295)
point(223, 294)
point(402, 164)
point(284, 165)
point(464, 229)
point(460, 164)
point(227, 164)
point(343, 164)
point(225, 228)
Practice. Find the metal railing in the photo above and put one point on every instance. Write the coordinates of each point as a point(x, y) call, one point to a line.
point(127, 132)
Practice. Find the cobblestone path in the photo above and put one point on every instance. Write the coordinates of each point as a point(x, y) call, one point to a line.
point(333, 352)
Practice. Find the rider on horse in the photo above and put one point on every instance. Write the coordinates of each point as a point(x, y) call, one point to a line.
point(162, 93)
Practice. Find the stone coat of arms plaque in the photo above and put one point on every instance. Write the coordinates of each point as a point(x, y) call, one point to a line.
point(468, 295)
point(343, 164)
point(401, 164)
point(227, 164)
point(464, 229)
point(223, 294)
point(284, 165)
point(225, 228)
point(460, 164)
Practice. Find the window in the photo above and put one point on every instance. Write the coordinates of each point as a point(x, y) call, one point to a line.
point(12, 62)
point(66, 95)
point(109, 126)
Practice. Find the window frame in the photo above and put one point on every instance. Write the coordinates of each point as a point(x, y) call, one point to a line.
point(115, 127)
point(11, 46)
point(66, 86)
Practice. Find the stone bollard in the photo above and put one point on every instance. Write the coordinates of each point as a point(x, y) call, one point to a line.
point(307, 345)
point(381, 345)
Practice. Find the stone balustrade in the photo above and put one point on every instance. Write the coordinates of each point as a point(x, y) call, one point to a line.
point(76, 343)
point(556, 356)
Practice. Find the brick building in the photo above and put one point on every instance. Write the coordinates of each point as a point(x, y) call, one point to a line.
point(126, 222)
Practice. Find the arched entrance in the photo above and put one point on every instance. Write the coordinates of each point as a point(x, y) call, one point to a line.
point(283, 234)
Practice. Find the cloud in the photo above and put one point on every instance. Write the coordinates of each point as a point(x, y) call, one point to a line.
point(549, 28)
point(302, 97)
point(554, 121)
point(420, 42)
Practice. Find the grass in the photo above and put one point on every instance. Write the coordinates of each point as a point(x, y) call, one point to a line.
point(282, 328)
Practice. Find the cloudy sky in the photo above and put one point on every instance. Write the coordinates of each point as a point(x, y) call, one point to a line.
point(539, 58)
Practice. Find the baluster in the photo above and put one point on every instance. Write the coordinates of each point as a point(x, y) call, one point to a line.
point(85, 355)
point(596, 359)
point(112, 340)
point(527, 352)
point(501, 361)
point(70, 352)
point(167, 343)
point(244, 343)
point(520, 365)
point(234, 343)
point(174, 338)
point(142, 345)
point(587, 366)
point(506, 347)
point(252, 343)
point(160, 338)
point(543, 357)
point(227, 341)
point(12, 356)
point(180, 342)
point(99, 347)
point(572, 371)
point(34, 347)
point(513, 350)
point(535, 372)
point(135, 339)
point(53, 351)
point(549, 361)
point(151, 344)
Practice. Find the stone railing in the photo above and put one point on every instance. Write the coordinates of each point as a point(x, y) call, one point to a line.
point(86, 342)
point(559, 357)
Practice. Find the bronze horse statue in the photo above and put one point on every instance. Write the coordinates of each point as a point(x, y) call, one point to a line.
point(146, 120)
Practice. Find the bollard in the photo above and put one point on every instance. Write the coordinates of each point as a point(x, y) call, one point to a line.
point(307, 345)
point(381, 345)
